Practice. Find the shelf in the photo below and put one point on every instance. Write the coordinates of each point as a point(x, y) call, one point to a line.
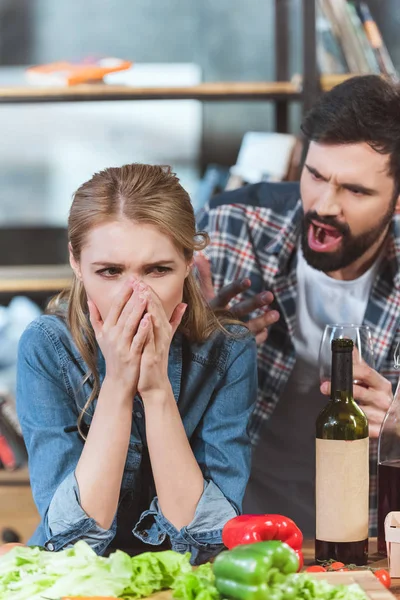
point(42, 278)
point(212, 91)
point(18, 477)
point(329, 81)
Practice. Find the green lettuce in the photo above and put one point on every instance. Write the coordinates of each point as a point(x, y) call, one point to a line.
point(34, 574)
point(154, 571)
point(196, 585)
point(304, 587)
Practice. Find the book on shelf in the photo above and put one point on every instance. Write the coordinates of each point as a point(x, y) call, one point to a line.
point(365, 48)
point(352, 50)
point(375, 39)
point(349, 40)
point(330, 55)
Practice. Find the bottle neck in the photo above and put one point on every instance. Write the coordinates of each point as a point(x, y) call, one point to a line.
point(342, 377)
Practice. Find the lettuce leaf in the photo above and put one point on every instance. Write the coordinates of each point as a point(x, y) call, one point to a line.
point(154, 571)
point(196, 585)
point(34, 574)
point(308, 588)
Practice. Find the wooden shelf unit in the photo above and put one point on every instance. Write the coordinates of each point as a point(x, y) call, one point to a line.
point(42, 278)
point(282, 91)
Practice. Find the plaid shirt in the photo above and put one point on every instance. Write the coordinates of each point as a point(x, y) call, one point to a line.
point(254, 233)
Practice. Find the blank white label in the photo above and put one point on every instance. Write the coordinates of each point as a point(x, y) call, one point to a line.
point(342, 486)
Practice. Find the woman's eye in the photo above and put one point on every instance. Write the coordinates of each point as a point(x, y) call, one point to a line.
point(109, 272)
point(158, 270)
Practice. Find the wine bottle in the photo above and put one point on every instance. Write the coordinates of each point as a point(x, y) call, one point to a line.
point(388, 467)
point(342, 468)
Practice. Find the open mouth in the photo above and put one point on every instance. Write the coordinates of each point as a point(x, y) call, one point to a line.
point(323, 238)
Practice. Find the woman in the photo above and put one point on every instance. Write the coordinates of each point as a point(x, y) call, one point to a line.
point(132, 395)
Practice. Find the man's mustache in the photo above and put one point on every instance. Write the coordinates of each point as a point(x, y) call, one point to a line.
point(342, 228)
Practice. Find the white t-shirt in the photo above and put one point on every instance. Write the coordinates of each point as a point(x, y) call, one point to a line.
point(323, 300)
point(283, 471)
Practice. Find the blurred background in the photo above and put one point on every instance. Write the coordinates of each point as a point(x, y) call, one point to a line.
point(47, 150)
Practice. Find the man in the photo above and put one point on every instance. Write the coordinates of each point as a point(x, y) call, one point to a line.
point(330, 257)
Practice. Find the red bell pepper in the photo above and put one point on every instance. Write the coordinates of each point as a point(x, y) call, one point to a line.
point(246, 529)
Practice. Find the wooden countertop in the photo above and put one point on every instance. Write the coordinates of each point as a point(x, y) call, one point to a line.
point(375, 560)
point(19, 512)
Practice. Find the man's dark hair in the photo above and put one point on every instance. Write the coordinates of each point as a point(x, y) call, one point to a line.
point(361, 109)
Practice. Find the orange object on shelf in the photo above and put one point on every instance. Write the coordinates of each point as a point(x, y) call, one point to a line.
point(69, 73)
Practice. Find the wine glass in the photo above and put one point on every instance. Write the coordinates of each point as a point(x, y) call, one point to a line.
point(362, 339)
point(397, 357)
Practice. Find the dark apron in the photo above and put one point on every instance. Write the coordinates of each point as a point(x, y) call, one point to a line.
point(132, 505)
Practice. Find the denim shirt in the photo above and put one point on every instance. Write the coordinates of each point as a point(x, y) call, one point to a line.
point(215, 386)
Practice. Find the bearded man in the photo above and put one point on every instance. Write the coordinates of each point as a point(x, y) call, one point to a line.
point(325, 251)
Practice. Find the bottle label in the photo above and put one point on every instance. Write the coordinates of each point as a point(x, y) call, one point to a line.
point(342, 486)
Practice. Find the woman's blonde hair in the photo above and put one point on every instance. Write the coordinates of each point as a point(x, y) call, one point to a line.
point(143, 194)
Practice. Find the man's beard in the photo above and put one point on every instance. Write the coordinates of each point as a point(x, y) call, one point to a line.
point(351, 247)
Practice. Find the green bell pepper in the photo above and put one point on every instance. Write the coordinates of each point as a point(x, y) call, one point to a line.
point(249, 572)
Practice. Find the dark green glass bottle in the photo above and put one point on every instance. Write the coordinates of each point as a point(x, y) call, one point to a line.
point(342, 468)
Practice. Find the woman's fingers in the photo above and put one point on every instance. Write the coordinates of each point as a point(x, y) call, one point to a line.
point(156, 304)
point(150, 343)
point(95, 317)
point(141, 336)
point(131, 325)
point(118, 304)
point(132, 313)
point(161, 326)
point(161, 329)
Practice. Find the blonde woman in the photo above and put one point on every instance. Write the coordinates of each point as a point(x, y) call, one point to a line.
point(133, 396)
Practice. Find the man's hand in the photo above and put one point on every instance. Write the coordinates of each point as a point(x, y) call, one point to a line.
point(372, 392)
point(259, 325)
